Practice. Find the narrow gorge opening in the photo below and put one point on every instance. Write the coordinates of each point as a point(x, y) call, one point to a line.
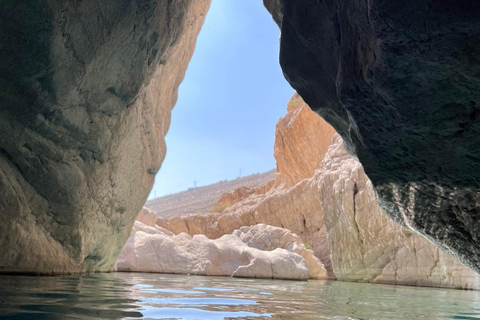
point(85, 103)
point(233, 93)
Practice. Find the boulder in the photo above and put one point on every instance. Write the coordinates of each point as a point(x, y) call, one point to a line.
point(240, 254)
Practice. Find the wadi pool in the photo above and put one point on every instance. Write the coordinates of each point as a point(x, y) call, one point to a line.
point(160, 296)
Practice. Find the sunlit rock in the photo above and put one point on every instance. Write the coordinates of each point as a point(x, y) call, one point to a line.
point(147, 217)
point(335, 211)
point(252, 252)
point(301, 141)
point(86, 90)
point(366, 245)
point(290, 201)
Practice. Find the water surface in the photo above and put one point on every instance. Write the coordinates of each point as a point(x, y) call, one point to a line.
point(157, 296)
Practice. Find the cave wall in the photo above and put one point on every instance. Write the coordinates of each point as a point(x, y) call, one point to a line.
point(86, 90)
point(400, 81)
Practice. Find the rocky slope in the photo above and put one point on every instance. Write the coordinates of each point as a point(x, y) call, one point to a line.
point(81, 83)
point(245, 253)
point(336, 212)
point(201, 199)
point(400, 82)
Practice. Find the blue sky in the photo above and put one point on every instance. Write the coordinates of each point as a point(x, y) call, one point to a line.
point(229, 102)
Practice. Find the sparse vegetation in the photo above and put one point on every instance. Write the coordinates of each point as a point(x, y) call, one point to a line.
point(307, 246)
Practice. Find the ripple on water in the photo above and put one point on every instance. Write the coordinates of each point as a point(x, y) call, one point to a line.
point(200, 301)
point(197, 314)
point(157, 296)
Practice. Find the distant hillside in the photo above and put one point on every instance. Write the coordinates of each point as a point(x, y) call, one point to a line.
point(202, 198)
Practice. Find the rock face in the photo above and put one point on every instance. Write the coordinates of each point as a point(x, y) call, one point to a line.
point(336, 212)
point(81, 83)
point(202, 199)
point(251, 252)
point(290, 201)
point(147, 217)
point(301, 141)
point(400, 82)
point(366, 245)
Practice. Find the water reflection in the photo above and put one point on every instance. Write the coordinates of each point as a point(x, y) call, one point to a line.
point(153, 296)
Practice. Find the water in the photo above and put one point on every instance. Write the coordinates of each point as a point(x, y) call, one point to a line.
point(156, 296)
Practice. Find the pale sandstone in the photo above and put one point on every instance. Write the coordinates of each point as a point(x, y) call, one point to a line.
point(241, 254)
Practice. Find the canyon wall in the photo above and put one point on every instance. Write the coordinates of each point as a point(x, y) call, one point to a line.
point(399, 81)
point(335, 212)
point(85, 98)
point(366, 245)
point(290, 201)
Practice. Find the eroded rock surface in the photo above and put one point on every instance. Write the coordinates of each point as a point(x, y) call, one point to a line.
point(400, 82)
point(366, 245)
point(251, 252)
point(290, 201)
point(301, 141)
point(336, 212)
point(85, 98)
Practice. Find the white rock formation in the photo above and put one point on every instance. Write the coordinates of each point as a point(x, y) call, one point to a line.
point(366, 245)
point(254, 252)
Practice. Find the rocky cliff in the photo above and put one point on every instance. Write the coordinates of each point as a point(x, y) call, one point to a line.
point(400, 82)
point(366, 245)
point(82, 83)
point(336, 212)
point(301, 138)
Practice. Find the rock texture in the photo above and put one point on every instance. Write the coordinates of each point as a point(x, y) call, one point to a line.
point(336, 212)
point(82, 83)
point(290, 201)
point(366, 245)
point(400, 82)
point(301, 141)
point(202, 199)
point(252, 252)
point(147, 217)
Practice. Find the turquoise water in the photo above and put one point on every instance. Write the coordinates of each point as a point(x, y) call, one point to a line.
point(158, 296)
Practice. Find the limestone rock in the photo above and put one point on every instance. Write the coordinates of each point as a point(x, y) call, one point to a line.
point(203, 199)
point(147, 217)
point(290, 202)
point(366, 245)
point(301, 141)
point(336, 212)
point(237, 255)
point(85, 98)
point(228, 199)
point(400, 82)
point(268, 238)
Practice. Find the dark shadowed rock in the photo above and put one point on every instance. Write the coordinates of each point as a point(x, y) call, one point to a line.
point(86, 89)
point(400, 81)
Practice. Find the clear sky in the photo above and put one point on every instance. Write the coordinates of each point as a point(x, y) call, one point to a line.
point(229, 102)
